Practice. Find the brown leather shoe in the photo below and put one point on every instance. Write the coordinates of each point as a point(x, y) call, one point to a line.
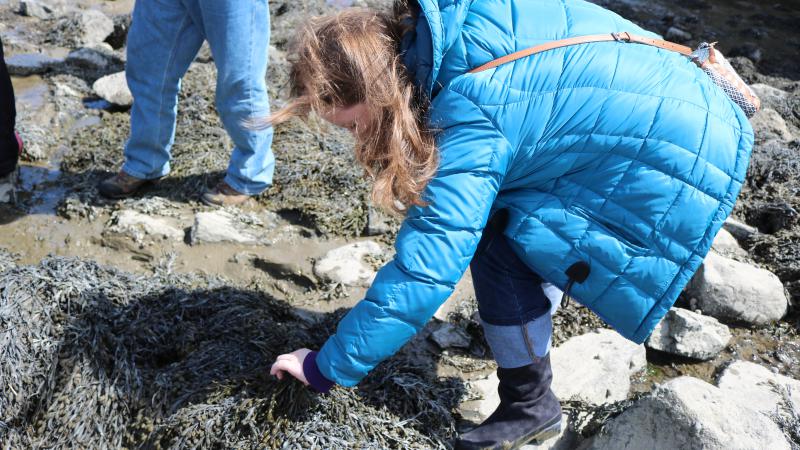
point(223, 195)
point(121, 185)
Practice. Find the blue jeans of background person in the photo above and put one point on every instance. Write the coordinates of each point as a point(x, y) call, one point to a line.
point(164, 39)
point(514, 303)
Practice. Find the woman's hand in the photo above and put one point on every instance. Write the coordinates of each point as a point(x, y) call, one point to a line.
point(291, 363)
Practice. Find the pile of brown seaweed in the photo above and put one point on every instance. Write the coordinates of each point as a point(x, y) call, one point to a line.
point(91, 357)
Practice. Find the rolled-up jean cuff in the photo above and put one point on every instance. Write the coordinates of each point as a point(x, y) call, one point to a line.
point(313, 375)
point(513, 345)
point(126, 167)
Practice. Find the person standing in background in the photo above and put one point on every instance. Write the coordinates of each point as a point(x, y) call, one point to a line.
point(164, 39)
point(10, 142)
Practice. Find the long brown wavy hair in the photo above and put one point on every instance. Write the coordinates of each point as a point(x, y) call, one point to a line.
point(350, 58)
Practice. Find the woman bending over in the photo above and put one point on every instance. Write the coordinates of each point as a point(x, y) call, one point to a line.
point(604, 169)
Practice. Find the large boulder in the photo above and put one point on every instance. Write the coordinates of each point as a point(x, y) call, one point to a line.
point(727, 245)
point(687, 413)
point(774, 98)
point(760, 388)
point(346, 264)
point(114, 89)
point(770, 96)
point(82, 28)
point(734, 291)
point(769, 125)
point(596, 367)
point(685, 333)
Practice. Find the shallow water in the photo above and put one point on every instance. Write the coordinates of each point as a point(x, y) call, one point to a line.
point(29, 92)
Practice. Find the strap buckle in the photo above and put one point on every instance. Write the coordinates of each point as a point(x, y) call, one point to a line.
point(621, 37)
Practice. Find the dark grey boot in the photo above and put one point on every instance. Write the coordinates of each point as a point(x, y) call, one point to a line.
point(529, 411)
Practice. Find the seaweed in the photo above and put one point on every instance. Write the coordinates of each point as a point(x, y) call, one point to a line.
point(97, 358)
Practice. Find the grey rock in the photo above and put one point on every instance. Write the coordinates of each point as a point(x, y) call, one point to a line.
point(677, 34)
point(345, 264)
point(771, 97)
point(220, 226)
point(138, 226)
point(25, 64)
point(727, 245)
point(769, 125)
point(488, 399)
point(114, 89)
point(82, 28)
point(735, 291)
point(596, 367)
point(34, 8)
point(450, 336)
point(740, 231)
point(687, 413)
point(92, 62)
point(685, 333)
point(761, 389)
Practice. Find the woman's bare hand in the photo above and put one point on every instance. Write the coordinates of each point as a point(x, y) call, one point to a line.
point(291, 363)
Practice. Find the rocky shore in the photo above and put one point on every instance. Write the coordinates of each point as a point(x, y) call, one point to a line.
point(149, 322)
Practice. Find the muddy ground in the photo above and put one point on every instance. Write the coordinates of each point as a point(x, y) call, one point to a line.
point(321, 198)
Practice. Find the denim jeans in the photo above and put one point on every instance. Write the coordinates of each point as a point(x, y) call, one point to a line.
point(515, 304)
point(164, 39)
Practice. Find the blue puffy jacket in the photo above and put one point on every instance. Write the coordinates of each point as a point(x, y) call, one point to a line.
point(621, 155)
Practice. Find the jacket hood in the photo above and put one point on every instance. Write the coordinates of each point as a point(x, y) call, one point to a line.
point(438, 28)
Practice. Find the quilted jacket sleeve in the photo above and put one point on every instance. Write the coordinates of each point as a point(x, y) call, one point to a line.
point(434, 246)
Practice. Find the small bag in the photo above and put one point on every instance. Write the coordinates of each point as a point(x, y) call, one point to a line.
point(705, 56)
point(723, 75)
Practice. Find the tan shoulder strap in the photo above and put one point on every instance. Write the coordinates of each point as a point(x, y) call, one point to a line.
point(621, 37)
